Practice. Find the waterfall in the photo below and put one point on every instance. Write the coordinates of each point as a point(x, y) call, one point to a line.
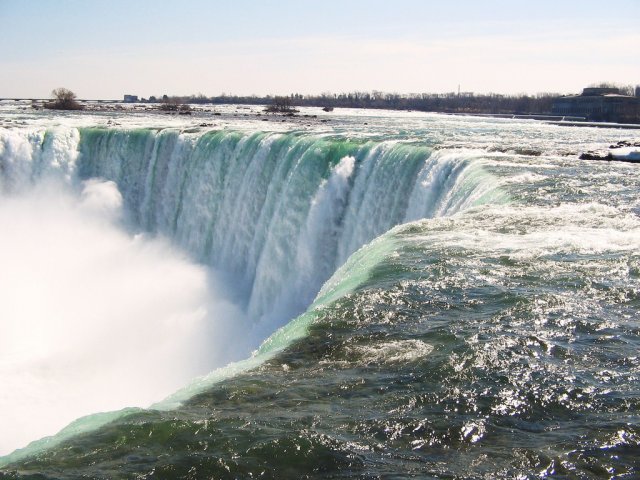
point(278, 213)
point(270, 217)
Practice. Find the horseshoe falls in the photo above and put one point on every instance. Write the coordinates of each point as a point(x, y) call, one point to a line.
point(374, 295)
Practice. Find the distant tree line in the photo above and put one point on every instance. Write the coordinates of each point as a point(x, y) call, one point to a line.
point(623, 89)
point(460, 102)
point(466, 102)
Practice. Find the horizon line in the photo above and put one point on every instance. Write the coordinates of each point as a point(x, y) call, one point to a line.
point(310, 95)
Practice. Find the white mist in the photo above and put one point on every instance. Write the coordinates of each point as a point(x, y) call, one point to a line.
point(93, 318)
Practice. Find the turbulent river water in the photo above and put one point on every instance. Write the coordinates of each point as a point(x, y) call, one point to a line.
point(357, 295)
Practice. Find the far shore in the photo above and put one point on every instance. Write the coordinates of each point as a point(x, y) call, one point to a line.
point(118, 106)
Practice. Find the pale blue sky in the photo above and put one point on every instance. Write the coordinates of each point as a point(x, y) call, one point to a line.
point(105, 48)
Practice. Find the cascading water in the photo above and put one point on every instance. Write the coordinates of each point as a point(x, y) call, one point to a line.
point(277, 211)
point(272, 215)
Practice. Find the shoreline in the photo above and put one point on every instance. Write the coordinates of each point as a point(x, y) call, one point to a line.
point(117, 106)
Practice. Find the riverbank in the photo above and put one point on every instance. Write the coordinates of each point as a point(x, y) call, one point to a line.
point(117, 106)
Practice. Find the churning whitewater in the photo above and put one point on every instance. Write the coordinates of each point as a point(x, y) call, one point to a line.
point(423, 295)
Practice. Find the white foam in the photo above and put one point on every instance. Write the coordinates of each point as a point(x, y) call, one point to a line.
point(397, 351)
point(626, 153)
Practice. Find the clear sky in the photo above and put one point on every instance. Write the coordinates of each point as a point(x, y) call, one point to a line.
point(106, 48)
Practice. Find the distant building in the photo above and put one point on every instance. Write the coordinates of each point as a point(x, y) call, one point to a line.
point(600, 105)
point(130, 98)
point(596, 91)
